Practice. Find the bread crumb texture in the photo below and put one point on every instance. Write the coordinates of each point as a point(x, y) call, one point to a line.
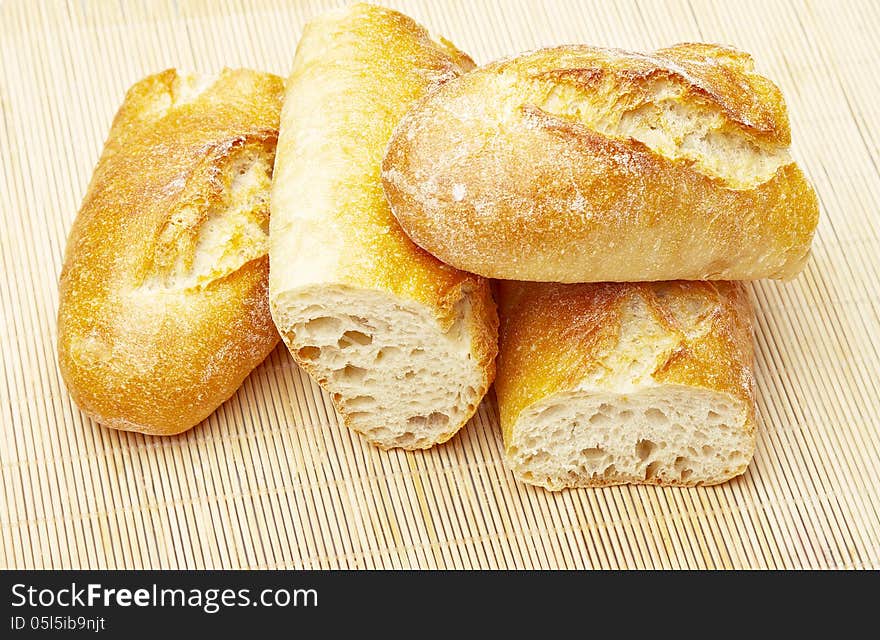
point(394, 373)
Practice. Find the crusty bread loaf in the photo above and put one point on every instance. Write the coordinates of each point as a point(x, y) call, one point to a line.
point(578, 164)
point(602, 384)
point(404, 344)
point(163, 295)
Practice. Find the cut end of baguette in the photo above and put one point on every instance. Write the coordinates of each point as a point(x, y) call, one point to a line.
point(393, 374)
point(665, 435)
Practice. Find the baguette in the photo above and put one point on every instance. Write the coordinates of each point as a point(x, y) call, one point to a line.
point(579, 164)
point(604, 384)
point(404, 344)
point(164, 290)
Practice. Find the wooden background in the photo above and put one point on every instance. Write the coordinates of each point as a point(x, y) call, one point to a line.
point(272, 480)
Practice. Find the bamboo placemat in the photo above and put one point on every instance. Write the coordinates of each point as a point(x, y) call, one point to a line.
point(273, 480)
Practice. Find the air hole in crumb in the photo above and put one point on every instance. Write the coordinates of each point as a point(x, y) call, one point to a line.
point(386, 352)
point(434, 419)
point(352, 373)
point(626, 415)
point(707, 450)
point(322, 325)
point(644, 449)
point(354, 337)
point(438, 419)
point(656, 416)
point(361, 403)
point(599, 419)
point(539, 457)
point(686, 474)
point(651, 470)
point(680, 463)
point(610, 471)
point(309, 353)
point(713, 415)
point(734, 454)
point(593, 453)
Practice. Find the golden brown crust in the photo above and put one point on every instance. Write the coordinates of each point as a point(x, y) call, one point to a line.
point(553, 336)
point(139, 348)
point(488, 175)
